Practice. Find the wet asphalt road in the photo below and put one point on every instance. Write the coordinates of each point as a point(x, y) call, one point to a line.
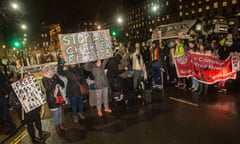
point(164, 121)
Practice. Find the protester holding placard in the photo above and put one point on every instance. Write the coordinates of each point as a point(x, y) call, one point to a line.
point(75, 76)
point(101, 83)
point(54, 89)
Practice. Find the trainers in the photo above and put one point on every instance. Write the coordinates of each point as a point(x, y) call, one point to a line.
point(81, 116)
point(100, 113)
point(108, 110)
point(37, 140)
point(75, 119)
point(160, 87)
point(139, 96)
point(194, 89)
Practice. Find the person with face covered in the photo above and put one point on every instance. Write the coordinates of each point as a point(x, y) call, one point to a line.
point(54, 86)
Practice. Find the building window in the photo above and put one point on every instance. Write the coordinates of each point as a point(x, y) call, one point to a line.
point(234, 1)
point(180, 0)
point(186, 6)
point(180, 13)
point(215, 5)
point(168, 16)
point(180, 7)
point(186, 13)
point(166, 3)
point(207, 0)
point(207, 7)
point(199, 10)
point(193, 12)
point(200, 2)
point(193, 4)
point(224, 3)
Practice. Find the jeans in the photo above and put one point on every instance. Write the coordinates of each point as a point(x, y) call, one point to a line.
point(102, 97)
point(195, 83)
point(76, 104)
point(57, 116)
point(137, 76)
point(158, 76)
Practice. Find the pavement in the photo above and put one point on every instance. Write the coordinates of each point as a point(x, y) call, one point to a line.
point(176, 116)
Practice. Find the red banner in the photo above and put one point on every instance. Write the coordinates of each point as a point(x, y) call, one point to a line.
point(206, 68)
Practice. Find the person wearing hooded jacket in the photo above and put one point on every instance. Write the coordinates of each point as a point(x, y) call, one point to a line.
point(101, 83)
point(53, 84)
point(113, 69)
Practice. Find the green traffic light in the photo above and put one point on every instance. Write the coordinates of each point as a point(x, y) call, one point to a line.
point(16, 44)
point(114, 33)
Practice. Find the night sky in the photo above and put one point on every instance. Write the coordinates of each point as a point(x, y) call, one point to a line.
point(53, 11)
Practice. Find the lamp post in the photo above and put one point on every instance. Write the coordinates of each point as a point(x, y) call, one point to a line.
point(120, 23)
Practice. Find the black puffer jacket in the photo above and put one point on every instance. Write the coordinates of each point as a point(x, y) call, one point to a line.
point(113, 68)
point(50, 84)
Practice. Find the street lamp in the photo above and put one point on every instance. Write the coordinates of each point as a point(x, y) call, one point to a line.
point(14, 5)
point(23, 26)
point(119, 20)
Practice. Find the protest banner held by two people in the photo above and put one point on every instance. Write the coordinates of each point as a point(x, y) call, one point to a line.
point(76, 48)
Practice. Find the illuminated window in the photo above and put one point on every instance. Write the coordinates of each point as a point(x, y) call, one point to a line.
point(180, 13)
point(207, 7)
point(163, 19)
point(186, 13)
point(153, 21)
point(42, 35)
point(224, 3)
point(193, 4)
point(180, 0)
point(200, 2)
point(186, 6)
point(168, 17)
point(234, 1)
point(166, 3)
point(215, 4)
point(180, 7)
point(207, 0)
point(193, 12)
point(200, 10)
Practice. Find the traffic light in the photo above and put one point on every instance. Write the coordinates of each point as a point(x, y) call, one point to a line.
point(17, 44)
point(114, 33)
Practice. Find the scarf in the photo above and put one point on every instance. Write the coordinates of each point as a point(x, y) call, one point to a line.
point(154, 54)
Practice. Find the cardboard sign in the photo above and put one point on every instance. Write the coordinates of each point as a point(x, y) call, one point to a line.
point(206, 68)
point(85, 46)
point(29, 93)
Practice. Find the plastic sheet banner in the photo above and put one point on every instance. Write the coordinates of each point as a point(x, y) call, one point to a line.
point(85, 46)
point(206, 68)
point(29, 93)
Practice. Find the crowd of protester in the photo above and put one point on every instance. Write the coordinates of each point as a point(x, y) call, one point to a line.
point(124, 74)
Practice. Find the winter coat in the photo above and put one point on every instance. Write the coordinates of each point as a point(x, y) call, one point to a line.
point(4, 86)
point(50, 85)
point(113, 68)
point(75, 77)
point(100, 78)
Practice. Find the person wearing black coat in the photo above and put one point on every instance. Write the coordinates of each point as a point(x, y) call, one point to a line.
point(75, 76)
point(113, 69)
point(4, 98)
point(54, 86)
